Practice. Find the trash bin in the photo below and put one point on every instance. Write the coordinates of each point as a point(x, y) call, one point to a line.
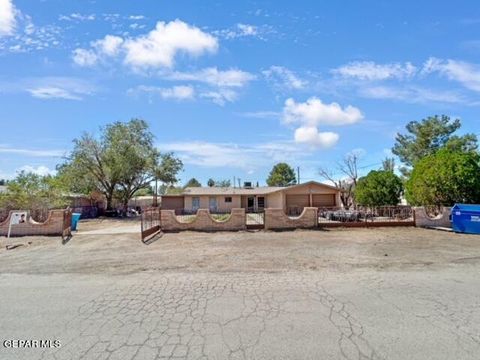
point(466, 218)
point(75, 218)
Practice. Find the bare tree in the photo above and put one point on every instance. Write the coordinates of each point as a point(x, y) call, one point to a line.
point(348, 167)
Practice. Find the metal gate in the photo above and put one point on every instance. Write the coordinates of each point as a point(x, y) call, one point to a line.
point(151, 222)
point(255, 219)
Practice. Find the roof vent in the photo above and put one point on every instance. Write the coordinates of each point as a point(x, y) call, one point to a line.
point(247, 185)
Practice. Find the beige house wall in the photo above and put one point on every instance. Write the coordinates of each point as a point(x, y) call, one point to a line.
point(275, 200)
point(221, 204)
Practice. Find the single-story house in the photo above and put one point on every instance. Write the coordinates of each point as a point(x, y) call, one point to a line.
point(291, 198)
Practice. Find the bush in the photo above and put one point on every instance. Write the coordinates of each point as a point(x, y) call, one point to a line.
point(379, 188)
point(445, 178)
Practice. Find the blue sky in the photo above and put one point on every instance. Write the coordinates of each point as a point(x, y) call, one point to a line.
point(233, 87)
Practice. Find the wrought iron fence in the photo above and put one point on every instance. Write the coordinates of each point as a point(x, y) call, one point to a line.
point(151, 222)
point(366, 215)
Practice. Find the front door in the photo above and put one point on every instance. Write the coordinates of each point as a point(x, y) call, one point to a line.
point(250, 203)
point(212, 203)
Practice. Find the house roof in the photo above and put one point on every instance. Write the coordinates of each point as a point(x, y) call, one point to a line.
point(312, 182)
point(262, 190)
point(230, 190)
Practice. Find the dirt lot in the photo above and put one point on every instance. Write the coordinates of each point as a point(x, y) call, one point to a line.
point(113, 246)
point(385, 293)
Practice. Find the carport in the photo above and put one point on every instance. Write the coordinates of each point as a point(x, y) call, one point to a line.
point(310, 194)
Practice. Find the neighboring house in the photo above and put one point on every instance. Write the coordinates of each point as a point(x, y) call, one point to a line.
point(291, 198)
point(3, 188)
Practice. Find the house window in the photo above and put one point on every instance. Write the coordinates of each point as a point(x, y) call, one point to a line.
point(261, 202)
point(195, 203)
point(228, 199)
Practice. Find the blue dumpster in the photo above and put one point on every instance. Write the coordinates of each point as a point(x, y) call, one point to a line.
point(466, 218)
point(75, 218)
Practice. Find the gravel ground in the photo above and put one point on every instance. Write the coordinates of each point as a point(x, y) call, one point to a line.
point(393, 293)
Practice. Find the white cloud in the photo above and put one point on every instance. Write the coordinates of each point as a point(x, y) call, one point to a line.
point(109, 45)
point(176, 92)
point(220, 96)
point(50, 92)
point(244, 30)
point(284, 78)
point(136, 17)
point(311, 136)
point(467, 74)
point(77, 17)
point(261, 114)
point(39, 170)
point(7, 17)
point(58, 88)
point(31, 152)
point(369, 70)
point(412, 94)
point(28, 37)
point(215, 77)
point(314, 112)
point(221, 82)
point(247, 30)
point(84, 57)
point(242, 156)
point(159, 47)
point(240, 30)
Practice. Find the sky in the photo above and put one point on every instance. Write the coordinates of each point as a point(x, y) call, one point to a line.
point(234, 87)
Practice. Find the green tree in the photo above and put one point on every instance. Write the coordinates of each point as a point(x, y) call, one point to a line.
point(428, 136)
point(379, 188)
point(223, 183)
point(445, 178)
point(118, 163)
point(211, 182)
point(193, 183)
point(388, 164)
point(281, 174)
point(29, 191)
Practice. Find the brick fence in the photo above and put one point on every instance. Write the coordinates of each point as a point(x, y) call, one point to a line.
point(275, 219)
point(203, 221)
point(54, 225)
point(423, 220)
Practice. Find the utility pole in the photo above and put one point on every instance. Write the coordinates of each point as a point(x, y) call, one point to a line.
point(155, 198)
point(239, 183)
point(234, 184)
point(298, 174)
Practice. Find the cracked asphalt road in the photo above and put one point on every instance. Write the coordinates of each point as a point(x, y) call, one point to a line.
point(333, 295)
